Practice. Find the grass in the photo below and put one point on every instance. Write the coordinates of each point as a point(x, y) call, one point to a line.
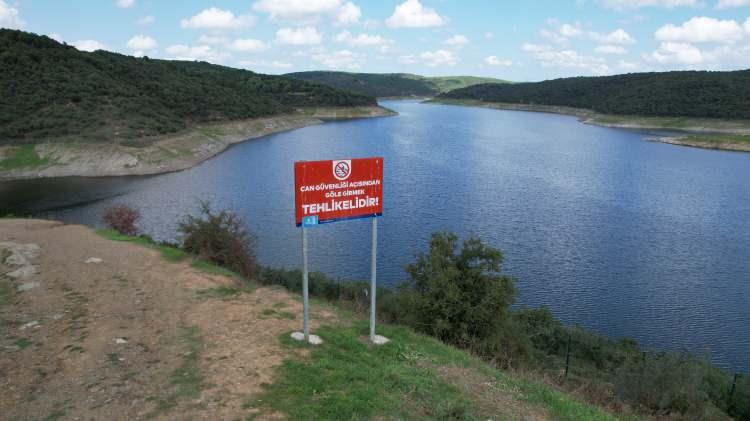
point(449, 83)
point(187, 380)
point(346, 378)
point(23, 156)
point(272, 313)
point(220, 292)
point(213, 269)
point(23, 343)
point(6, 292)
point(170, 254)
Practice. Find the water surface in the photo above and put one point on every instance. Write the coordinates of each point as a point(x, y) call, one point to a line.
point(623, 236)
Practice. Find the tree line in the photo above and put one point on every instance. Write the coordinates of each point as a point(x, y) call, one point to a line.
point(50, 90)
point(697, 94)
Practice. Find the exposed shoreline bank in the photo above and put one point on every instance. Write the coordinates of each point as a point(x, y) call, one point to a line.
point(167, 154)
point(729, 135)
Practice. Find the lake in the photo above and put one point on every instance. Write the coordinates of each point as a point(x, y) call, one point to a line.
point(620, 235)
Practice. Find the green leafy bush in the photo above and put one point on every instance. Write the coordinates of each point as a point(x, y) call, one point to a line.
point(462, 298)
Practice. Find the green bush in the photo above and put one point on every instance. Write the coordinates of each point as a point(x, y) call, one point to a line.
point(664, 383)
point(461, 298)
point(220, 238)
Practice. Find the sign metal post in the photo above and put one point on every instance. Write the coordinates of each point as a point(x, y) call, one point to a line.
point(305, 290)
point(330, 191)
point(373, 277)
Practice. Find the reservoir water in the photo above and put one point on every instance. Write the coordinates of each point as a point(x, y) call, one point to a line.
point(620, 235)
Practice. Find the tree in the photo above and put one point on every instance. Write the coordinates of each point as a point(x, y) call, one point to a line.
point(463, 298)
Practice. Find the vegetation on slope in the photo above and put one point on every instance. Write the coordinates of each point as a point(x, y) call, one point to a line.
point(459, 296)
point(698, 94)
point(412, 377)
point(53, 91)
point(391, 84)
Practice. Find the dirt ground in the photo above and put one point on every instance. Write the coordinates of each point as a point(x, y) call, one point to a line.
point(95, 329)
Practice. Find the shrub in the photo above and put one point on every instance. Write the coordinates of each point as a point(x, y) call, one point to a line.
point(122, 218)
point(462, 298)
point(664, 383)
point(220, 238)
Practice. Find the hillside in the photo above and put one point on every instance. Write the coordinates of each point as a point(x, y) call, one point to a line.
point(52, 91)
point(112, 327)
point(391, 84)
point(695, 94)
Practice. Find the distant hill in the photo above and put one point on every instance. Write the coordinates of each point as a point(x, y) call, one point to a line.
point(50, 90)
point(699, 94)
point(391, 84)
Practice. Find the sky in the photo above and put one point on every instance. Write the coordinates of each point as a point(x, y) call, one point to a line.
point(513, 40)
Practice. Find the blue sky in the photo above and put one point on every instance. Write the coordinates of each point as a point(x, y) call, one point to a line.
point(520, 41)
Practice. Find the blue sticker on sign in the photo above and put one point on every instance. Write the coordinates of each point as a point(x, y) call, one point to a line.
point(310, 221)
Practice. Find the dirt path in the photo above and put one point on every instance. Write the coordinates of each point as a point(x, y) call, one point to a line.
point(96, 329)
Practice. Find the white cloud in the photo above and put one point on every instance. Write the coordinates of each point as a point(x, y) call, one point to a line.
point(677, 53)
point(628, 66)
point(571, 31)
point(439, 58)
point(89, 45)
point(57, 37)
point(213, 39)
point(342, 59)
point(550, 57)
point(563, 33)
point(747, 25)
point(291, 9)
point(411, 14)
point(701, 29)
point(124, 4)
point(361, 40)
point(489, 35)
point(142, 43)
point(610, 49)
point(617, 37)
point(553, 36)
point(200, 52)
point(249, 64)
point(407, 59)
point(728, 4)
point(348, 14)
point(146, 20)
point(494, 61)
point(637, 4)
point(457, 41)
point(248, 45)
point(10, 17)
point(307, 35)
point(217, 19)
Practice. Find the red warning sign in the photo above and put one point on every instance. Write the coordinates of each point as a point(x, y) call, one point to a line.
point(329, 191)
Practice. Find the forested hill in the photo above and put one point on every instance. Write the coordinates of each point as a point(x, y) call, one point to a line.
point(675, 94)
point(391, 84)
point(51, 90)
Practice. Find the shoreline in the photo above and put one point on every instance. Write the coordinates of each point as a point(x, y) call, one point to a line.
point(171, 153)
point(716, 134)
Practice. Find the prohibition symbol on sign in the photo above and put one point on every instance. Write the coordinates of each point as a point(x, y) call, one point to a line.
point(342, 169)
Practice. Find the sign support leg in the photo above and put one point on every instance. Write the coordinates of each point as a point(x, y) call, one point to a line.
point(306, 300)
point(373, 277)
